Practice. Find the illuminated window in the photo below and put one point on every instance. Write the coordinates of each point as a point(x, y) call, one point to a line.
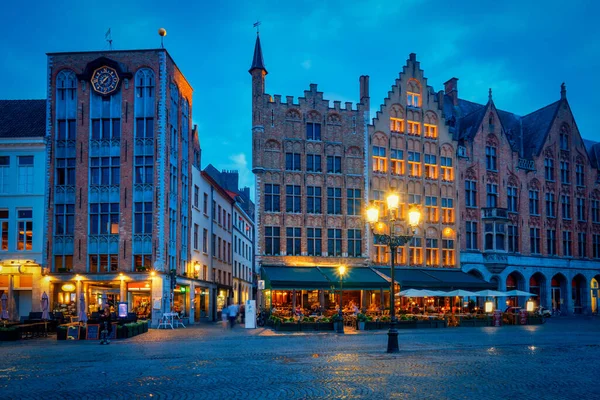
point(400, 256)
point(104, 218)
point(378, 199)
point(379, 159)
point(447, 210)
point(430, 131)
point(447, 253)
point(414, 128)
point(447, 171)
point(413, 99)
point(414, 163)
point(415, 252)
point(397, 125)
point(397, 157)
point(24, 229)
point(430, 166)
point(380, 256)
point(431, 206)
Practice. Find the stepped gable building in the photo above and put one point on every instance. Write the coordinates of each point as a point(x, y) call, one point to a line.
point(119, 168)
point(530, 200)
point(412, 153)
point(308, 158)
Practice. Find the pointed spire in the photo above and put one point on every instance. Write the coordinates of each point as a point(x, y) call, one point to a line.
point(490, 94)
point(257, 60)
point(563, 91)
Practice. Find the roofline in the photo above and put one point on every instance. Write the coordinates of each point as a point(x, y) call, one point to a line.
point(214, 183)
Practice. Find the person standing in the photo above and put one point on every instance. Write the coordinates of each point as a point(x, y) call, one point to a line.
point(233, 312)
point(224, 315)
point(105, 326)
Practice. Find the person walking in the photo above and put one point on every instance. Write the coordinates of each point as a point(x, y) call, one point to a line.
point(105, 326)
point(233, 312)
point(224, 316)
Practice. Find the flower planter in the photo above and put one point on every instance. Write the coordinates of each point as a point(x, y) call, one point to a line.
point(475, 322)
point(383, 325)
point(406, 324)
point(361, 325)
point(308, 326)
point(9, 335)
point(371, 326)
point(325, 326)
point(288, 327)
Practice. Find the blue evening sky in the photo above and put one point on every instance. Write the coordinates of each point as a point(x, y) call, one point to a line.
point(523, 50)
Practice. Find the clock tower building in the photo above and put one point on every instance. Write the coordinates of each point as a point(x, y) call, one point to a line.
point(120, 148)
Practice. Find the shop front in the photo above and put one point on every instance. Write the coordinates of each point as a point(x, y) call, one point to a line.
point(139, 299)
point(201, 303)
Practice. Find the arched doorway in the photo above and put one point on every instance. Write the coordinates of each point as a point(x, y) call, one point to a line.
point(537, 285)
point(558, 291)
point(578, 294)
point(594, 293)
point(514, 281)
point(476, 273)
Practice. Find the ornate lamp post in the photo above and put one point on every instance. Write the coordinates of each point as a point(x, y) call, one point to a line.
point(341, 272)
point(393, 241)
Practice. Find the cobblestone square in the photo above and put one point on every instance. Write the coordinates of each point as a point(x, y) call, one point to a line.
point(558, 360)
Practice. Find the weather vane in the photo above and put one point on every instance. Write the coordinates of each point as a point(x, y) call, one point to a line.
point(257, 25)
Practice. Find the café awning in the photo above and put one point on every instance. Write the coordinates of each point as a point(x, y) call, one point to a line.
point(358, 278)
point(434, 278)
point(298, 278)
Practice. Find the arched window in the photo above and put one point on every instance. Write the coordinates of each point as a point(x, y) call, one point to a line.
point(144, 103)
point(66, 85)
point(564, 138)
point(144, 83)
point(413, 93)
point(66, 105)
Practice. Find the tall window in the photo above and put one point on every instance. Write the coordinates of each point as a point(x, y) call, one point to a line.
point(415, 251)
point(565, 202)
point(551, 242)
point(66, 129)
point(430, 131)
point(64, 215)
point(431, 206)
point(25, 177)
point(106, 128)
point(396, 125)
point(430, 166)
point(447, 253)
point(272, 198)
point(65, 171)
point(4, 174)
point(205, 203)
point(314, 237)
point(4, 229)
point(196, 196)
point(564, 139)
point(196, 236)
point(513, 238)
point(24, 229)
point(334, 242)
point(313, 131)
point(492, 195)
point(580, 209)
point(144, 170)
point(581, 244)
point(379, 159)
point(334, 164)
point(104, 263)
point(596, 245)
point(378, 199)
point(413, 99)
point(549, 169)
point(471, 236)
point(550, 205)
point(534, 240)
point(511, 194)
point(447, 170)
point(144, 83)
point(313, 200)
point(144, 128)
point(354, 243)
point(595, 210)
point(471, 193)
point(380, 255)
point(293, 239)
point(580, 175)
point(293, 201)
point(205, 241)
point(447, 210)
point(334, 200)
point(564, 172)
point(292, 162)
point(431, 252)
point(567, 242)
point(66, 85)
point(414, 163)
point(313, 163)
point(272, 240)
point(534, 202)
point(414, 128)
point(490, 158)
point(143, 218)
point(354, 201)
point(105, 170)
point(104, 218)
point(397, 157)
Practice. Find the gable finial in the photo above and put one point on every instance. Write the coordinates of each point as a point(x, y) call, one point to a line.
point(490, 94)
point(563, 91)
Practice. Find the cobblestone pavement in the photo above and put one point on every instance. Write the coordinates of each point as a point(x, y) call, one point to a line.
point(558, 360)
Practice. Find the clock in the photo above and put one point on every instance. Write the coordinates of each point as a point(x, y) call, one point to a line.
point(105, 80)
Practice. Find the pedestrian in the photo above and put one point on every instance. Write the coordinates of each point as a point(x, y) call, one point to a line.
point(224, 315)
point(233, 311)
point(242, 314)
point(105, 326)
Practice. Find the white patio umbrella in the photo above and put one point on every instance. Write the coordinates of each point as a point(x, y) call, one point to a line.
point(519, 293)
point(491, 293)
point(82, 314)
point(435, 293)
point(4, 302)
point(412, 293)
point(461, 293)
point(44, 303)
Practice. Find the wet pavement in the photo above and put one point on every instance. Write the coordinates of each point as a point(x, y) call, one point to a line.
point(558, 360)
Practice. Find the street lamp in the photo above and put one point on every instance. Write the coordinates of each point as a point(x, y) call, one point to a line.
point(393, 241)
point(341, 272)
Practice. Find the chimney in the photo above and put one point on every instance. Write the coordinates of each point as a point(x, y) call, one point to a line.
point(451, 89)
point(364, 90)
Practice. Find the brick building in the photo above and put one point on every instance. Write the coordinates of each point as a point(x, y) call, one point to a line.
point(412, 153)
point(530, 200)
point(121, 149)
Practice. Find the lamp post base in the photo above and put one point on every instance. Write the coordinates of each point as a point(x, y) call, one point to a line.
point(392, 346)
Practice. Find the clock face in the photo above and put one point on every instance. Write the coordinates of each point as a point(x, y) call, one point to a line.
point(105, 80)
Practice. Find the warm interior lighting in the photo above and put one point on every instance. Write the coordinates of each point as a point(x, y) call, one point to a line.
point(489, 306)
point(153, 273)
point(414, 216)
point(68, 287)
point(448, 232)
point(393, 199)
point(0, 268)
point(372, 214)
point(197, 267)
point(342, 270)
point(77, 277)
point(530, 306)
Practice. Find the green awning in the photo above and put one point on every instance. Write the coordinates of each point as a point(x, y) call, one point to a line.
point(298, 278)
point(435, 278)
point(357, 278)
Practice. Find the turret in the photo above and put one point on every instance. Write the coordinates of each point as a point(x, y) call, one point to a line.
point(258, 72)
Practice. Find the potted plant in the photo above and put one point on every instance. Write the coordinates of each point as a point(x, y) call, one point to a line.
point(8, 333)
point(337, 319)
point(361, 320)
point(61, 332)
point(308, 324)
point(324, 324)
